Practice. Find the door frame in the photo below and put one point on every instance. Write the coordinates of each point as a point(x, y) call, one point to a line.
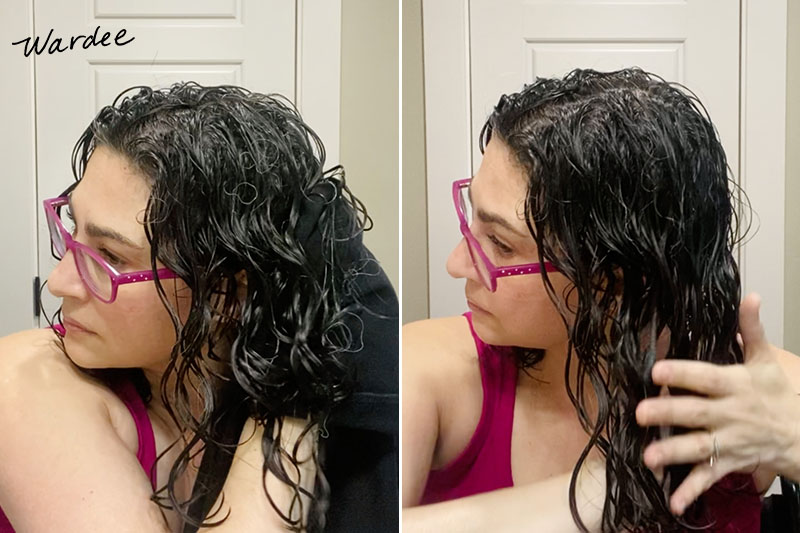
point(18, 218)
point(762, 143)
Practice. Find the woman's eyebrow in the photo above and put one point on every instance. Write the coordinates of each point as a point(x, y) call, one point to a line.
point(493, 218)
point(108, 233)
point(100, 232)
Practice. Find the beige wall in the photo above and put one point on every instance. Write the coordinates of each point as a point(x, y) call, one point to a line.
point(369, 120)
point(792, 228)
point(415, 214)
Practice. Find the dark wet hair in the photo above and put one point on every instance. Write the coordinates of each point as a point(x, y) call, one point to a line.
point(629, 197)
point(238, 186)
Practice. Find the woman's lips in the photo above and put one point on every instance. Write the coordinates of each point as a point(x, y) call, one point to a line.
point(476, 308)
point(75, 327)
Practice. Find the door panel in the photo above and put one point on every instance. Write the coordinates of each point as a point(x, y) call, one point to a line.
point(180, 9)
point(666, 58)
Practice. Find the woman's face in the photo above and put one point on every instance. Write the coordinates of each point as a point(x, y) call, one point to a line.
point(135, 330)
point(519, 312)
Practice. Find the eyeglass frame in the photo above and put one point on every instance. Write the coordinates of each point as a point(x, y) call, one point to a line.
point(473, 245)
point(71, 244)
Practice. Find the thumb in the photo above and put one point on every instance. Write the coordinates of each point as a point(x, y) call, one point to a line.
point(756, 346)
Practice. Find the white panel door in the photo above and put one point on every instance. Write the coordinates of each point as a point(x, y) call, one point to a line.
point(476, 51)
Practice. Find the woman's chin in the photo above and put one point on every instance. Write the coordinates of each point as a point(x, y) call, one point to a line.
point(487, 331)
point(490, 332)
point(81, 355)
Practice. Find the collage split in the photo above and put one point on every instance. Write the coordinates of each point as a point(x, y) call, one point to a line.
point(400, 266)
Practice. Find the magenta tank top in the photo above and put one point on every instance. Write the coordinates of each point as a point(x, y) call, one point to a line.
point(485, 464)
point(147, 445)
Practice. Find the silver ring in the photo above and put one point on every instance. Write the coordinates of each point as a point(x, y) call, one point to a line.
point(715, 451)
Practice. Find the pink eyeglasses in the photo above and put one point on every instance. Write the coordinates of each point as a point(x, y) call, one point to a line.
point(97, 275)
point(487, 272)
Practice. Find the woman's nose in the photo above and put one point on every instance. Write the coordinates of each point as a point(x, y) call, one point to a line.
point(65, 281)
point(459, 263)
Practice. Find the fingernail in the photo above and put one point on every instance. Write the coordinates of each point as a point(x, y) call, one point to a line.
point(659, 473)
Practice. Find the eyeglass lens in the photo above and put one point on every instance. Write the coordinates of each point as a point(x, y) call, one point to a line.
point(477, 259)
point(93, 274)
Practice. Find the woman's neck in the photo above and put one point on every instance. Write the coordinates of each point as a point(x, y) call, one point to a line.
point(155, 376)
point(546, 379)
point(156, 405)
point(549, 372)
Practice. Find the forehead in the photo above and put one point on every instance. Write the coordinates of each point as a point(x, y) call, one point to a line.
point(112, 193)
point(500, 184)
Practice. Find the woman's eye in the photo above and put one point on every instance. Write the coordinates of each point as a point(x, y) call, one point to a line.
point(111, 258)
point(71, 218)
point(500, 247)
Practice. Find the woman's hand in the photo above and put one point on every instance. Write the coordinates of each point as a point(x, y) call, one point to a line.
point(747, 419)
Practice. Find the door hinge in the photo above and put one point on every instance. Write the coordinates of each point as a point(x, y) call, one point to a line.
point(36, 301)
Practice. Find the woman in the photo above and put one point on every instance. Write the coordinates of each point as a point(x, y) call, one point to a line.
point(214, 290)
point(598, 236)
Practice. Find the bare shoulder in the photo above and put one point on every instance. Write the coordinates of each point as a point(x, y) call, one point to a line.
point(439, 339)
point(64, 461)
point(36, 375)
point(26, 343)
point(33, 354)
point(439, 354)
point(32, 363)
point(33, 358)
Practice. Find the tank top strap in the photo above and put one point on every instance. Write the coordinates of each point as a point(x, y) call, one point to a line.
point(499, 381)
point(491, 368)
point(146, 455)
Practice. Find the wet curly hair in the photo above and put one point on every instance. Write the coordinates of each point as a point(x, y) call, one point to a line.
point(629, 196)
point(240, 203)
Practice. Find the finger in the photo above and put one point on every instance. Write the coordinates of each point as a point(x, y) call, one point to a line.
point(755, 342)
point(698, 376)
point(685, 411)
point(689, 448)
point(699, 480)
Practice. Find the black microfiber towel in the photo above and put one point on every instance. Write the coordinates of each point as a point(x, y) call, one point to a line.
point(360, 440)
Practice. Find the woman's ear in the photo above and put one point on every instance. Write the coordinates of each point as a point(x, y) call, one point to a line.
point(241, 286)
